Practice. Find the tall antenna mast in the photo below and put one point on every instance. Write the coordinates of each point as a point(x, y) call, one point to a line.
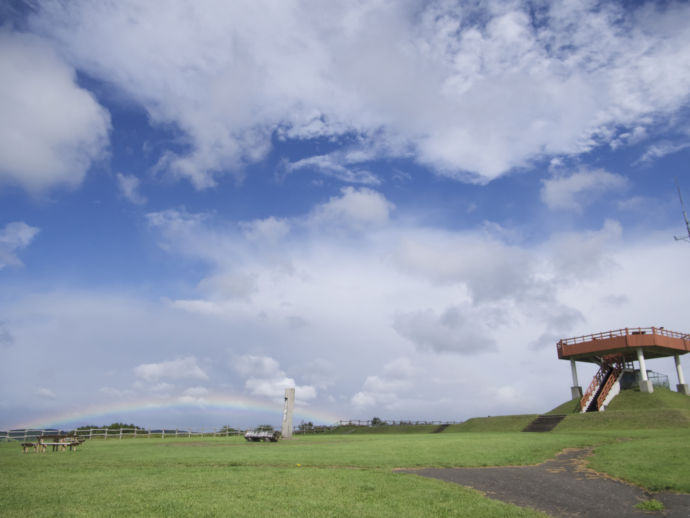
point(685, 216)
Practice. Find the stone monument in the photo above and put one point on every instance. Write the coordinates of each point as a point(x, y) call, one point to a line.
point(286, 431)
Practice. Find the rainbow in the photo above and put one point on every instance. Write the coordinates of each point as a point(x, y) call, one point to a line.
point(87, 415)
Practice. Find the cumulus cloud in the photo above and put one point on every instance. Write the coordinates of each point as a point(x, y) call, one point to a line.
point(129, 187)
point(51, 130)
point(430, 82)
point(585, 254)
point(268, 229)
point(580, 188)
point(181, 368)
point(454, 331)
point(389, 389)
point(265, 378)
point(354, 208)
point(491, 269)
point(13, 237)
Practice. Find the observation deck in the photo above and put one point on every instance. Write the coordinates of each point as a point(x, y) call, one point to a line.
point(655, 342)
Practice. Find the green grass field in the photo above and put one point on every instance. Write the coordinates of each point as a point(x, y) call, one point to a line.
point(334, 475)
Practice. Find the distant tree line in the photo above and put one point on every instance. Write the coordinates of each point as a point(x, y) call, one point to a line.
point(113, 426)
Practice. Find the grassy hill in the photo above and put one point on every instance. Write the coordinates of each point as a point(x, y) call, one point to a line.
point(630, 410)
point(502, 423)
point(633, 410)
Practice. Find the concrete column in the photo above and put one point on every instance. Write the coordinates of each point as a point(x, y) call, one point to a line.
point(286, 431)
point(645, 384)
point(576, 389)
point(682, 387)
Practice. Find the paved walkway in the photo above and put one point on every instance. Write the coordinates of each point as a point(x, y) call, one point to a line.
point(562, 487)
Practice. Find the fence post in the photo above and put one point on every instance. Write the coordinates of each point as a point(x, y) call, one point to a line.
point(163, 434)
point(120, 433)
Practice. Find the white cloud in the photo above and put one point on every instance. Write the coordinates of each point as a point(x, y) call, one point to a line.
point(269, 229)
point(489, 268)
point(389, 389)
point(51, 130)
point(580, 188)
point(573, 284)
point(196, 391)
point(13, 237)
point(455, 330)
point(355, 208)
point(335, 165)
point(45, 393)
point(129, 186)
point(588, 254)
point(181, 368)
point(471, 90)
point(266, 379)
point(662, 149)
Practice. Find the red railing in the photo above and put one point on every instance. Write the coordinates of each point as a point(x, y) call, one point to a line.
point(623, 332)
point(616, 363)
point(617, 369)
point(593, 386)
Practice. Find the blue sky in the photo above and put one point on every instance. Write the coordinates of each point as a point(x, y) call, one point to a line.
point(395, 207)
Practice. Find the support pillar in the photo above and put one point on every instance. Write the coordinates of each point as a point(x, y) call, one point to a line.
point(645, 384)
point(286, 431)
point(576, 389)
point(682, 387)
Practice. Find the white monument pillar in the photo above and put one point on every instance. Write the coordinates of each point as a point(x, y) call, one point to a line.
point(576, 389)
point(645, 384)
point(286, 431)
point(682, 386)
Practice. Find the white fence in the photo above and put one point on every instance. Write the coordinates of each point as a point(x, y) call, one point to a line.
point(136, 433)
point(119, 433)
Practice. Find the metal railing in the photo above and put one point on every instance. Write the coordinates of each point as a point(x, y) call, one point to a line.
point(624, 332)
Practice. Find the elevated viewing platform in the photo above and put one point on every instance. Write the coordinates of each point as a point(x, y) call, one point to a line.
point(656, 342)
point(615, 352)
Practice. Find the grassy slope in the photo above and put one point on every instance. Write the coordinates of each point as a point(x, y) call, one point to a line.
point(633, 410)
point(504, 423)
point(385, 429)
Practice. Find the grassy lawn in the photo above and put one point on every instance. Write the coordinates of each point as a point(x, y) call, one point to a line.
point(307, 476)
point(340, 475)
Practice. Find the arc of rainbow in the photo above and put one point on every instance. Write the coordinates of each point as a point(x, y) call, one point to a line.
point(221, 402)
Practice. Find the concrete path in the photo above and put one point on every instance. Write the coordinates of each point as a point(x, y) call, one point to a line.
point(562, 487)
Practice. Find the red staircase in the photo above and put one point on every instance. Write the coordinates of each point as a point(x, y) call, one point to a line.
point(609, 371)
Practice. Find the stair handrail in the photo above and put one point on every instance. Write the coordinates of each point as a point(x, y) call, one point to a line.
point(617, 362)
point(607, 387)
point(594, 385)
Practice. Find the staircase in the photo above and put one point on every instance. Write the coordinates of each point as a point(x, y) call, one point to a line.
point(544, 423)
point(609, 371)
point(441, 428)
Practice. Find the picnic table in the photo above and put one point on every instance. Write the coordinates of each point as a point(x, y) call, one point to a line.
point(57, 442)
